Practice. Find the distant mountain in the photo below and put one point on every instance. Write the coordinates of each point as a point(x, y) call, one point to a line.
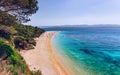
point(77, 27)
point(85, 25)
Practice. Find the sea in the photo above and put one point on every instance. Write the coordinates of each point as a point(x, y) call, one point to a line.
point(88, 50)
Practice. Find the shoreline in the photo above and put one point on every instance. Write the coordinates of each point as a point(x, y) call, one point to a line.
point(44, 58)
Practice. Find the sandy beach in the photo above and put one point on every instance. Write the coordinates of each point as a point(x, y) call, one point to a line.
point(43, 57)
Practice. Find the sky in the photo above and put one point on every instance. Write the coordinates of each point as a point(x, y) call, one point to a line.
point(76, 12)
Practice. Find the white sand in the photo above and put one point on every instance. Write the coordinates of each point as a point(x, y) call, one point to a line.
point(43, 57)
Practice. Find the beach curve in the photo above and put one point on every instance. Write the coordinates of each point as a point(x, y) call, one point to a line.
point(44, 58)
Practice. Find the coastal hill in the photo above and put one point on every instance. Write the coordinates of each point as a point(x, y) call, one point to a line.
point(78, 27)
point(14, 36)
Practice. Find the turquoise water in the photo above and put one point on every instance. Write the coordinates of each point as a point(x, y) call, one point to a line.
point(94, 51)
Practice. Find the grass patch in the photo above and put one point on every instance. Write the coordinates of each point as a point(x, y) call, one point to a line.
point(16, 63)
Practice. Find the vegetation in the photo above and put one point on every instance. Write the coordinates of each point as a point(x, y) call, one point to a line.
point(28, 31)
point(15, 36)
point(25, 36)
point(23, 43)
point(7, 19)
point(15, 62)
point(21, 37)
point(6, 32)
point(21, 9)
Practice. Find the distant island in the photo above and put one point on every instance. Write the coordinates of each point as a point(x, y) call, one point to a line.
point(77, 27)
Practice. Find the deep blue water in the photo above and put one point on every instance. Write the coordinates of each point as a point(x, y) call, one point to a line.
point(95, 50)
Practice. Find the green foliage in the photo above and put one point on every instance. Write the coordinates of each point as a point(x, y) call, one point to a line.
point(12, 13)
point(20, 35)
point(28, 31)
point(31, 41)
point(5, 49)
point(6, 32)
point(7, 19)
point(10, 30)
point(24, 43)
point(21, 9)
point(2, 39)
point(13, 69)
point(16, 63)
point(20, 43)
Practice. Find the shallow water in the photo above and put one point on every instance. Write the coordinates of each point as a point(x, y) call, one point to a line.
point(90, 51)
